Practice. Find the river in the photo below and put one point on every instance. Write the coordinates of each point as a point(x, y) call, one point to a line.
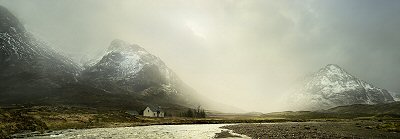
point(197, 131)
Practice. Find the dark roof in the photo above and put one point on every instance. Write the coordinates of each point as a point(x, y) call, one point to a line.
point(155, 109)
point(131, 112)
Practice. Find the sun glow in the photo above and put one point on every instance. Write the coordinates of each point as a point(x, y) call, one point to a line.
point(196, 29)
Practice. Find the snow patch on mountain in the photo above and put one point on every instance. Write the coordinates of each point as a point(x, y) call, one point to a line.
point(127, 60)
point(396, 95)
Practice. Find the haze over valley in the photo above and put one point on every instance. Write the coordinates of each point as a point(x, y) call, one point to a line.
point(304, 67)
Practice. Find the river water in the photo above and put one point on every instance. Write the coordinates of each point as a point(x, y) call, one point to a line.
point(197, 131)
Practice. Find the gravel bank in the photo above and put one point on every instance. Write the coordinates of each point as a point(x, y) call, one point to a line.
point(313, 130)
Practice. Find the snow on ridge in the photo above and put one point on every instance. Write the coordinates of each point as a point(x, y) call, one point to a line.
point(122, 46)
point(24, 46)
point(396, 96)
point(128, 59)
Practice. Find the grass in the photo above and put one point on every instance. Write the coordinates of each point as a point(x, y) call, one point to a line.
point(390, 126)
point(13, 121)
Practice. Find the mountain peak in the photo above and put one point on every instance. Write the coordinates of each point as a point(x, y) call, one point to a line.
point(9, 23)
point(124, 61)
point(333, 70)
point(120, 45)
point(333, 66)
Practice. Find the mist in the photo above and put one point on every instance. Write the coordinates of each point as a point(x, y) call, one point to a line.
point(245, 54)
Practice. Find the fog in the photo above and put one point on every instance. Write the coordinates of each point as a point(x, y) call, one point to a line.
point(241, 53)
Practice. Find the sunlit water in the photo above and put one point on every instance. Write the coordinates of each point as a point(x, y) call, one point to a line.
point(198, 131)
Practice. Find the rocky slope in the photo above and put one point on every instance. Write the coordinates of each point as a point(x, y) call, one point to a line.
point(29, 68)
point(332, 86)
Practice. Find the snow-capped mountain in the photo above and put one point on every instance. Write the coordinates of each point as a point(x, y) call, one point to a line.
point(28, 66)
point(332, 86)
point(129, 68)
point(123, 61)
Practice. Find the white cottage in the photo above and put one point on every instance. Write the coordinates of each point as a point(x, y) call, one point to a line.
point(153, 112)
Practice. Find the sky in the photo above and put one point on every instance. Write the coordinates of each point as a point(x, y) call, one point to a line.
point(246, 54)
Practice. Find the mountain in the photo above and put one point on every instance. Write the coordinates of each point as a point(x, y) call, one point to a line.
point(33, 74)
point(125, 77)
point(29, 68)
point(332, 86)
point(129, 69)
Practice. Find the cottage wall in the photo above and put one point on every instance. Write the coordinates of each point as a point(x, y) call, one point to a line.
point(161, 114)
point(147, 112)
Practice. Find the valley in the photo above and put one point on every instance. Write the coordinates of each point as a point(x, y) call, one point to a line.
point(46, 119)
point(236, 79)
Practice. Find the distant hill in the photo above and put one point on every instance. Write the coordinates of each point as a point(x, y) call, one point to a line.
point(350, 111)
point(387, 109)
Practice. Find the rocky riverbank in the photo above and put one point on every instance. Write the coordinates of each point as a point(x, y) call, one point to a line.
point(351, 129)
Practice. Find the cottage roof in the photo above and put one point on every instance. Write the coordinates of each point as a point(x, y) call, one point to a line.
point(155, 109)
point(132, 112)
